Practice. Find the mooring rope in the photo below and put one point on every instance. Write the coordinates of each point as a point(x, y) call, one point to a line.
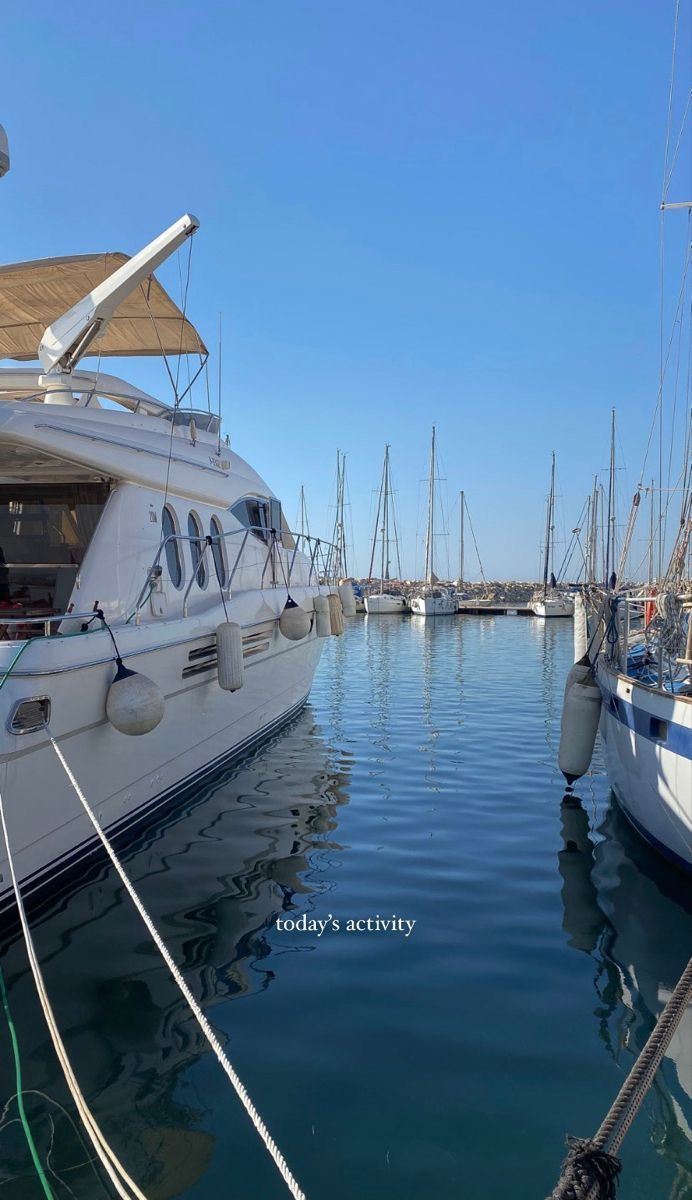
point(590, 1171)
point(241, 1091)
point(124, 1186)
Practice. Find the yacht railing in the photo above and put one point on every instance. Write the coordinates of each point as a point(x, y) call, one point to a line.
point(658, 625)
point(279, 560)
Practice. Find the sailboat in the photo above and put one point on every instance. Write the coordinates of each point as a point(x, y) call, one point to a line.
point(387, 599)
point(432, 601)
point(632, 676)
point(551, 601)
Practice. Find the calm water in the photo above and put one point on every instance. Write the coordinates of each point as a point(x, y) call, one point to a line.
point(421, 783)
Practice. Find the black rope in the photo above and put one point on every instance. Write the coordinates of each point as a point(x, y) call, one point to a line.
point(588, 1173)
point(210, 542)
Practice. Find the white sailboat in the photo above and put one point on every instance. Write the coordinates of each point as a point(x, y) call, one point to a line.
point(157, 618)
point(551, 601)
point(632, 677)
point(387, 599)
point(432, 601)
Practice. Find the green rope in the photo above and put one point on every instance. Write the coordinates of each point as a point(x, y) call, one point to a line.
point(20, 1098)
point(10, 669)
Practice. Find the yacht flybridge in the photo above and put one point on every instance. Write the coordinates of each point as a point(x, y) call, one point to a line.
point(157, 618)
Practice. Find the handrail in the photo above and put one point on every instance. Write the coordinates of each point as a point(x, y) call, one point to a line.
point(272, 537)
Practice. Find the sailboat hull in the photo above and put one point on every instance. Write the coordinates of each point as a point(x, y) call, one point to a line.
point(385, 604)
point(433, 606)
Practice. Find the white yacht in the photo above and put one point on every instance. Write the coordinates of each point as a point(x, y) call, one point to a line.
point(157, 618)
point(388, 599)
point(432, 600)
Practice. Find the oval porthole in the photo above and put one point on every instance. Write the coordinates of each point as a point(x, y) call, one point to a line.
point(175, 567)
point(194, 529)
point(217, 550)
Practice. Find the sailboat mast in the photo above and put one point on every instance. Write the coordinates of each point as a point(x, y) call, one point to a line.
point(549, 528)
point(461, 538)
point(430, 532)
point(610, 531)
point(384, 574)
point(377, 517)
point(651, 534)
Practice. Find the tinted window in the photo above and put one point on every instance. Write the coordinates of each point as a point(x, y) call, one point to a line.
point(253, 513)
point(173, 562)
point(199, 569)
point(217, 550)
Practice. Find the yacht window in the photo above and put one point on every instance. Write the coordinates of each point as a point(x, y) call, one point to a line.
point(45, 529)
point(260, 515)
point(216, 533)
point(168, 528)
point(197, 543)
point(253, 513)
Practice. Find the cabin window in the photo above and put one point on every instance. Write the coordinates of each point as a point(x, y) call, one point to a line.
point(217, 550)
point(45, 530)
point(197, 544)
point(260, 515)
point(173, 560)
point(253, 513)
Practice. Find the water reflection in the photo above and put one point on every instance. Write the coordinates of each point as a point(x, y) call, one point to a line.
point(214, 877)
point(632, 915)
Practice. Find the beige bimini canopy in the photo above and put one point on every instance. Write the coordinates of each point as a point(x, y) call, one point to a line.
point(35, 294)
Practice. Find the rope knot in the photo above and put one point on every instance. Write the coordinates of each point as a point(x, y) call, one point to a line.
point(588, 1172)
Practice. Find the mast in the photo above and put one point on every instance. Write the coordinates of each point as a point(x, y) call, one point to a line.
point(461, 539)
point(430, 531)
point(610, 531)
point(377, 514)
point(384, 574)
point(549, 528)
point(339, 565)
point(651, 535)
point(303, 514)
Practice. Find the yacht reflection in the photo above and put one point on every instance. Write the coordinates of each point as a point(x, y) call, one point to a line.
point(214, 877)
point(635, 920)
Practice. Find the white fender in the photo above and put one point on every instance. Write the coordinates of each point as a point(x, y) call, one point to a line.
point(581, 632)
point(134, 704)
point(578, 673)
point(294, 622)
point(336, 614)
point(348, 599)
point(323, 621)
point(580, 716)
point(229, 653)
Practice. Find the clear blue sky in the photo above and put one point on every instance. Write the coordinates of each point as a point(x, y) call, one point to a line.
point(410, 212)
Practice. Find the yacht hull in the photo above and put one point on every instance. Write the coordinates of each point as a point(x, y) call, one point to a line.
point(126, 779)
point(647, 742)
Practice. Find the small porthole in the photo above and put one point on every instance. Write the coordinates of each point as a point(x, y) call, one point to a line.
point(30, 715)
point(197, 544)
point(658, 729)
point(217, 550)
point(168, 528)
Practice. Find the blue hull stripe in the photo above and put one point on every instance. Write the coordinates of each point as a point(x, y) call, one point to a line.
point(678, 739)
point(52, 877)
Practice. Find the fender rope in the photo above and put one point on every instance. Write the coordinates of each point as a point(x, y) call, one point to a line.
point(271, 1146)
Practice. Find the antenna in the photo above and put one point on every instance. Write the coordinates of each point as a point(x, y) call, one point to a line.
point(218, 382)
